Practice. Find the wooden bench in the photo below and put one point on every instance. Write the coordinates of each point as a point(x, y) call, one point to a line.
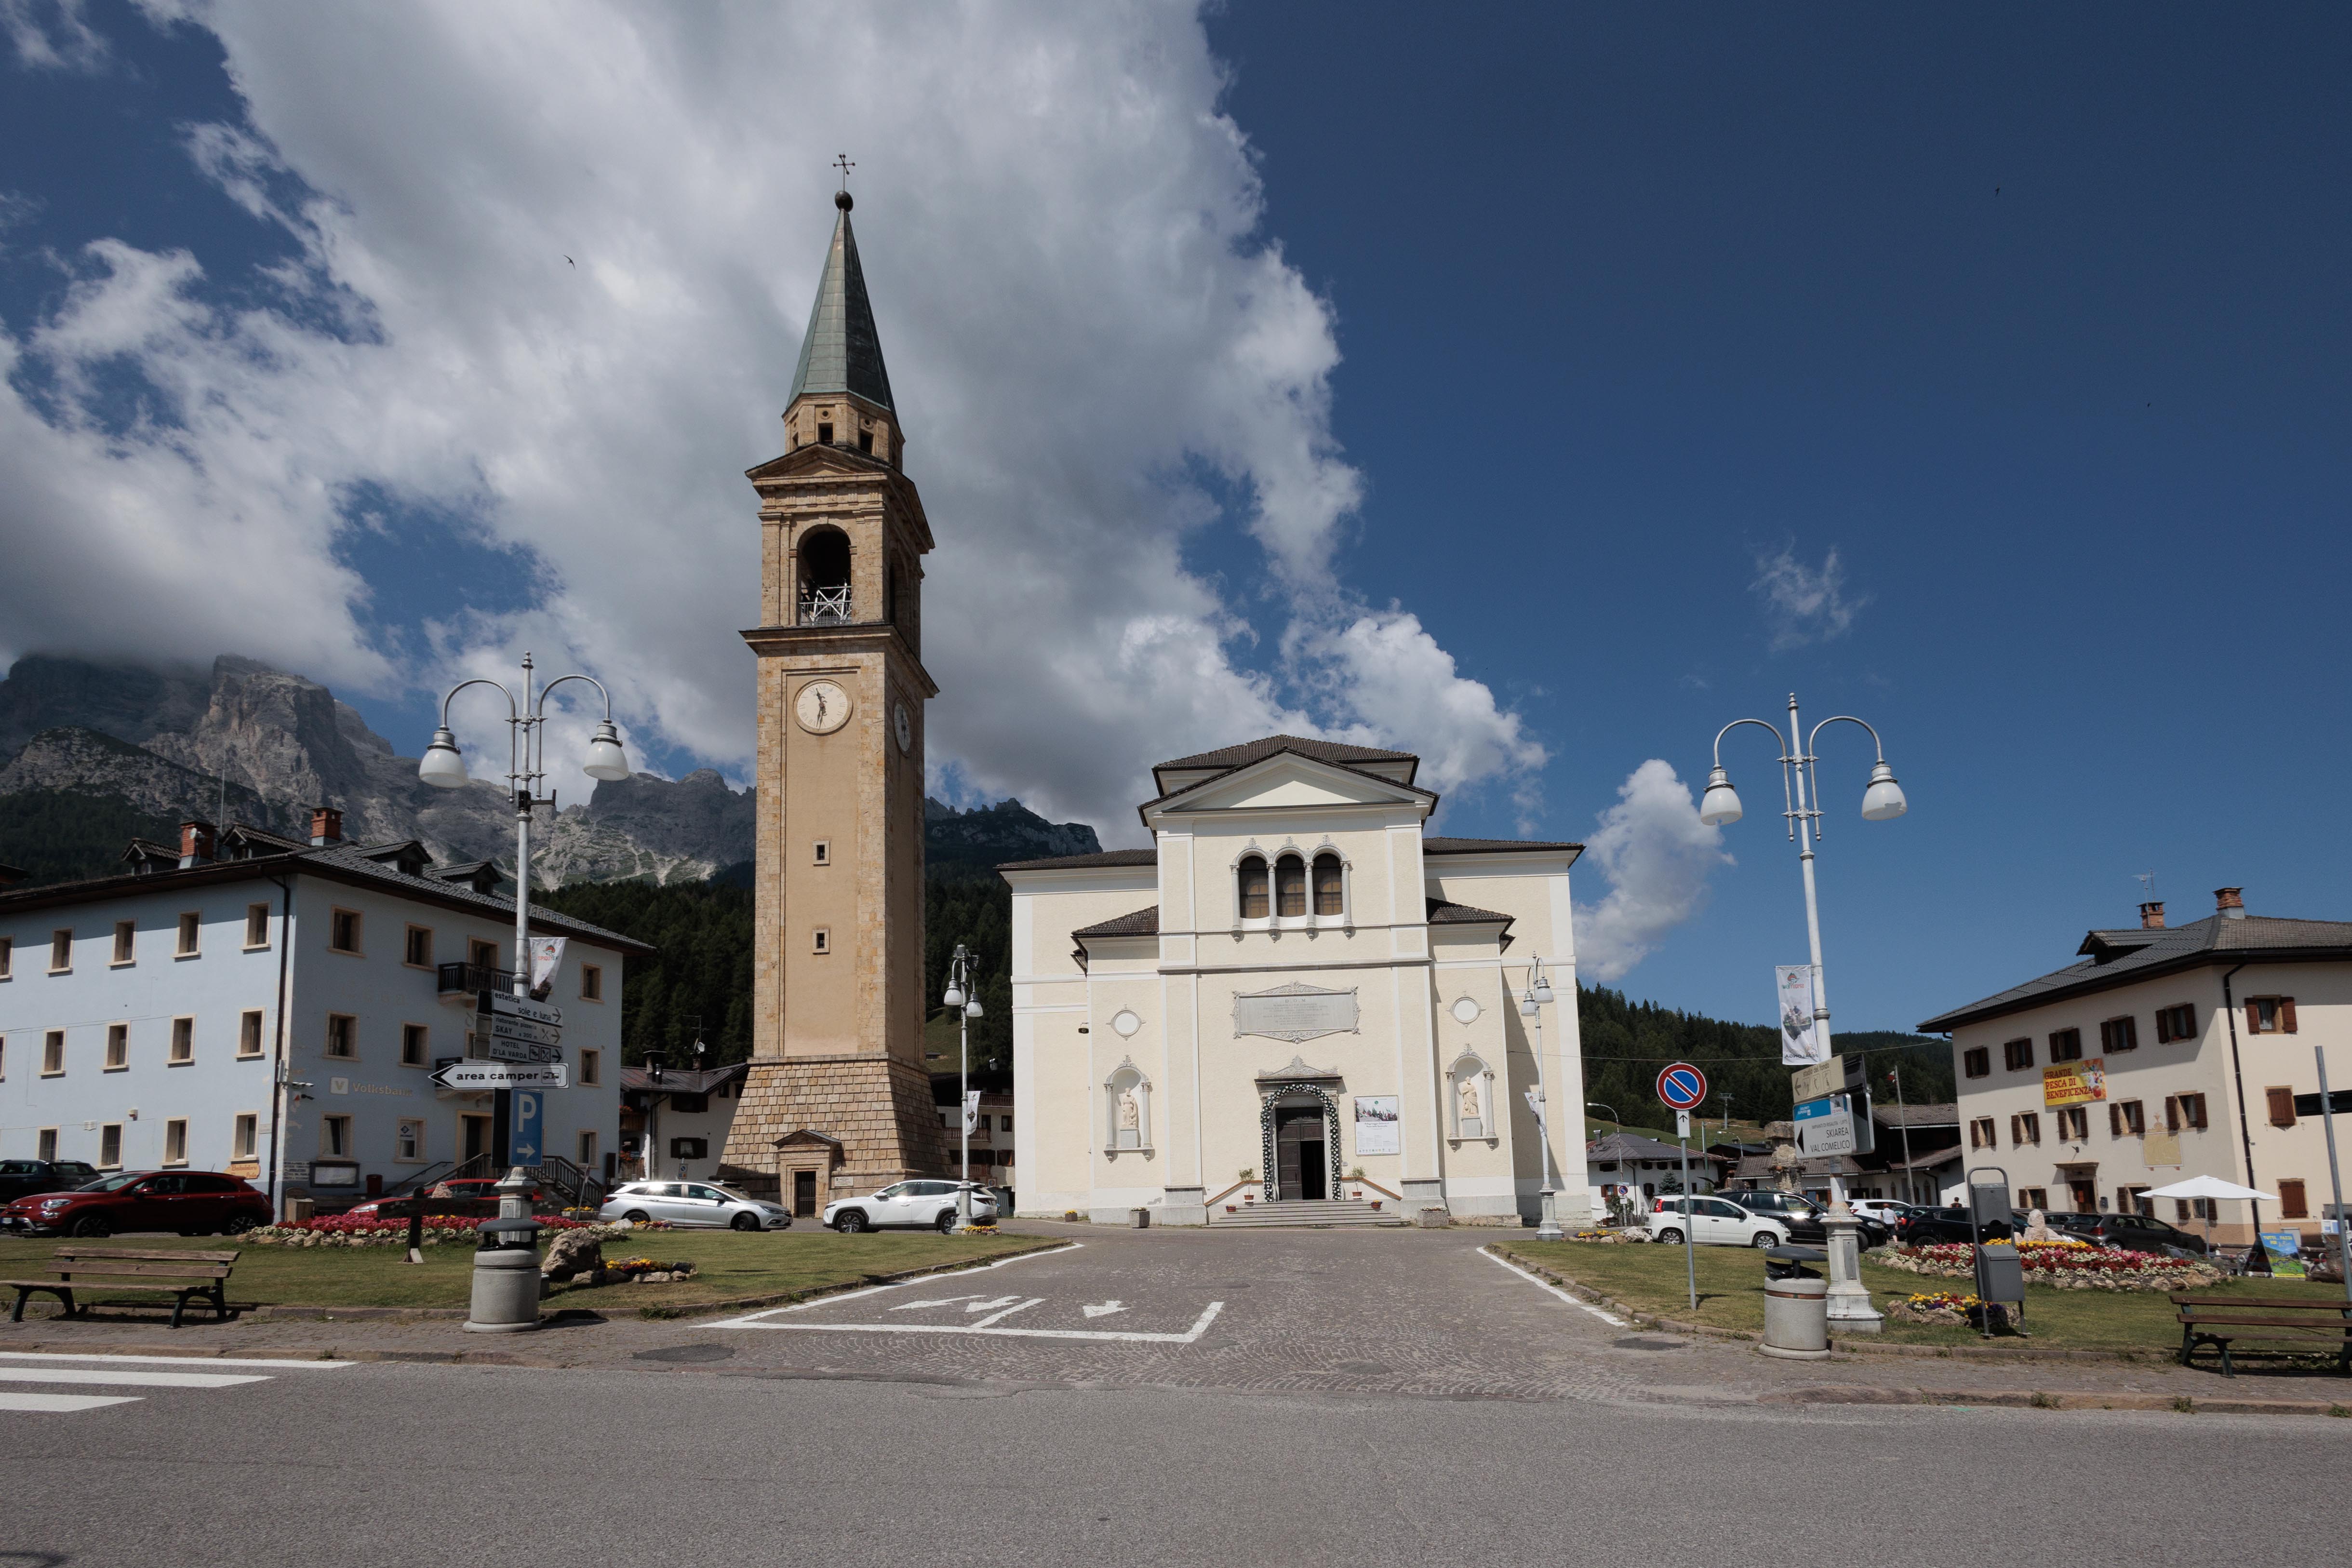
point(180, 1274)
point(2293, 1322)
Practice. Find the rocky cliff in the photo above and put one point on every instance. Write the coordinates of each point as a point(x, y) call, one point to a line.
point(248, 743)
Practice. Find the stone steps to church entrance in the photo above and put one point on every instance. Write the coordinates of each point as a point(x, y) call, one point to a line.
point(1311, 1213)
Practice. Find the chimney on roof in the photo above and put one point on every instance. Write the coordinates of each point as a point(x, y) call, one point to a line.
point(2151, 916)
point(198, 839)
point(2227, 905)
point(325, 826)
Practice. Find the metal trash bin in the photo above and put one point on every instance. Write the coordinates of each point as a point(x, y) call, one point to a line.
point(1141, 1218)
point(1797, 1318)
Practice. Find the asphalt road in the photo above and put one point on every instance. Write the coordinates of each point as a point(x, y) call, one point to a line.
point(915, 1429)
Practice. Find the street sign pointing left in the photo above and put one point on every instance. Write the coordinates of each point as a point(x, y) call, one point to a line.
point(476, 1076)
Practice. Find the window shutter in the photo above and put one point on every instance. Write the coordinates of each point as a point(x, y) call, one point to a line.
point(2286, 1014)
point(2282, 1107)
point(2172, 1113)
point(2115, 1120)
point(2253, 1019)
point(2292, 1203)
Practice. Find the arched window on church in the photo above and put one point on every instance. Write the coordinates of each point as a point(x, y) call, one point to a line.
point(824, 578)
point(1290, 886)
point(1328, 898)
point(1254, 906)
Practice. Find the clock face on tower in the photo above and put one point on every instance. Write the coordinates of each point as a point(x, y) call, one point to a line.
point(821, 707)
point(905, 728)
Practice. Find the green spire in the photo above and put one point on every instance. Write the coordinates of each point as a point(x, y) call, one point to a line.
point(842, 351)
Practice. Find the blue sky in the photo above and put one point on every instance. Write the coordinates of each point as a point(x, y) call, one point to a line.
point(1512, 364)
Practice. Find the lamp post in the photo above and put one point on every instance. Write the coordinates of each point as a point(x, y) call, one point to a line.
point(1910, 1176)
point(964, 998)
point(444, 768)
point(1531, 1001)
point(1882, 801)
point(1619, 1128)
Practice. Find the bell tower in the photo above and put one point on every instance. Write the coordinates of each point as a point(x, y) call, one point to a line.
point(836, 1096)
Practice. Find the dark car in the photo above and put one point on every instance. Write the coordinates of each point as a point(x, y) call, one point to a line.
point(192, 1203)
point(1930, 1227)
point(2130, 1232)
point(1805, 1219)
point(24, 1178)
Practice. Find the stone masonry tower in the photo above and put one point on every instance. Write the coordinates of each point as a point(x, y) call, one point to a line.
point(837, 1097)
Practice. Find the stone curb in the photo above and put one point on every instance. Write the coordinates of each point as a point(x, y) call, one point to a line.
point(2037, 1399)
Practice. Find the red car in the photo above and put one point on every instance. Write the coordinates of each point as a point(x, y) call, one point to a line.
point(192, 1203)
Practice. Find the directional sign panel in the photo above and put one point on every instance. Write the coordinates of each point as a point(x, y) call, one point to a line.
point(501, 1004)
point(1682, 1087)
point(475, 1076)
point(1835, 1124)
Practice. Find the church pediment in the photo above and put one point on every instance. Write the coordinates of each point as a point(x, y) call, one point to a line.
point(1290, 781)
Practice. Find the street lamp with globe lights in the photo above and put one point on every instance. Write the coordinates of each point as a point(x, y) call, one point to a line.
point(964, 995)
point(1882, 801)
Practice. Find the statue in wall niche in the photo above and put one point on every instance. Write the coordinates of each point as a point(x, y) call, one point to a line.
point(1469, 1111)
point(1130, 1117)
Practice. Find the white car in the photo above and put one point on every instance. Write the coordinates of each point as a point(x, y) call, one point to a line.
point(702, 1204)
point(1885, 1211)
point(1713, 1222)
point(930, 1204)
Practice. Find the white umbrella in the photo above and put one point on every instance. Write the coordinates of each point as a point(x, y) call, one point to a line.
point(2210, 1187)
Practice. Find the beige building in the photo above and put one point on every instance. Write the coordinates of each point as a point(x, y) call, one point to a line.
point(2164, 1053)
point(1296, 994)
point(835, 1097)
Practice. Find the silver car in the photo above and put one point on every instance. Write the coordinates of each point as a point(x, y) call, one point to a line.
point(930, 1204)
point(703, 1204)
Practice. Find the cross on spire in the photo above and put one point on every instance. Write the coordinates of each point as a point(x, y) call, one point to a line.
point(843, 163)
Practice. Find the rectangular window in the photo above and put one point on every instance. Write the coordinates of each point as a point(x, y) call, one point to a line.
point(2119, 1035)
point(1290, 886)
point(482, 954)
point(587, 1149)
point(1980, 1134)
point(823, 941)
point(118, 1047)
point(2281, 1098)
point(53, 1054)
point(343, 1036)
point(110, 1146)
point(45, 1145)
point(2134, 1200)
point(248, 1034)
point(408, 1141)
point(2291, 1203)
point(690, 1104)
point(2183, 1111)
point(823, 853)
point(417, 951)
point(61, 952)
point(246, 1135)
point(2066, 1046)
point(1005, 1122)
point(7, 956)
point(2074, 1124)
point(126, 937)
point(191, 924)
point(2175, 1022)
point(344, 932)
point(2125, 1119)
point(592, 1069)
point(335, 1137)
point(415, 1041)
point(1977, 1061)
point(256, 925)
point(592, 983)
point(2017, 1055)
point(2023, 1129)
point(1256, 903)
point(184, 1042)
point(2270, 1015)
point(176, 1141)
point(2033, 1198)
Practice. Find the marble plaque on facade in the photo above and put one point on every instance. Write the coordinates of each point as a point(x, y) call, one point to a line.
point(1295, 1013)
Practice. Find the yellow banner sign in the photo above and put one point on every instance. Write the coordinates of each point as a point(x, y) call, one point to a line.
point(2074, 1083)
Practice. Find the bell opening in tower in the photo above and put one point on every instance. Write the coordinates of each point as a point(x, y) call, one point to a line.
point(824, 578)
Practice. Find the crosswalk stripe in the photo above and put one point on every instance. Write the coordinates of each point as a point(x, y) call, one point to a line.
point(57, 1404)
point(168, 1359)
point(126, 1378)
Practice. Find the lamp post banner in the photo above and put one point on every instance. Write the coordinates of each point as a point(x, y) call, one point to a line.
point(1801, 1042)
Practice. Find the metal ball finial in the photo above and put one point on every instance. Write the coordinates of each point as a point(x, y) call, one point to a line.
point(841, 199)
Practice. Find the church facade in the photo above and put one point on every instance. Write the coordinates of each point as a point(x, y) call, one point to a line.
point(1296, 994)
point(834, 1099)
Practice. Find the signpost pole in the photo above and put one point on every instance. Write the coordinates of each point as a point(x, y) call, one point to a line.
point(2335, 1174)
point(1690, 1215)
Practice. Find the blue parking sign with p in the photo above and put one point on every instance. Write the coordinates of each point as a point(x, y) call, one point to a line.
point(523, 1146)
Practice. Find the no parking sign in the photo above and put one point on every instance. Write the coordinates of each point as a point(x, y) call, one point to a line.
point(1682, 1087)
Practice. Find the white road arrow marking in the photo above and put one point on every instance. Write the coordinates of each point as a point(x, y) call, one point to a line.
point(939, 1302)
point(1106, 1309)
point(990, 1306)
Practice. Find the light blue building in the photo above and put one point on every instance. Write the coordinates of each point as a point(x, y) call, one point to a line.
point(251, 1003)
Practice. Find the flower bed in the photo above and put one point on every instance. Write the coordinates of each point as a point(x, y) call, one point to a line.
point(362, 1230)
point(1610, 1236)
point(2063, 1264)
point(1948, 1309)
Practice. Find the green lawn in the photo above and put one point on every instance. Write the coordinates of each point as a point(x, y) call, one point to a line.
point(729, 1264)
point(1650, 1279)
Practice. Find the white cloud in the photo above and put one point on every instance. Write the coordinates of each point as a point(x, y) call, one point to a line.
point(1803, 605)
point(52, 37)
point(1657, 856)
point(1060, 231)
